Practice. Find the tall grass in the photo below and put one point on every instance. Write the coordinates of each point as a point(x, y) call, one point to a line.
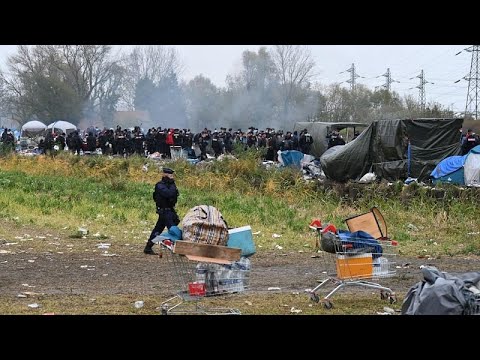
point(114, 196)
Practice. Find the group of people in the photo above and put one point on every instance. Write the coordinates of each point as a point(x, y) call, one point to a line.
point(126, 142)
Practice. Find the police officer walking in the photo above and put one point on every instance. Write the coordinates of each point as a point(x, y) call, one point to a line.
point(165, 197)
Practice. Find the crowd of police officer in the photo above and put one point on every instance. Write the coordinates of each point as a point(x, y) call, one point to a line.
point(126, 142)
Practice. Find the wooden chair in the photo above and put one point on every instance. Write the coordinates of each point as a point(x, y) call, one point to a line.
point(371, 222)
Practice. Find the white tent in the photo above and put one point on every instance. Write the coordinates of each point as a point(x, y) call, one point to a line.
point(471, 167)
point(33, 128)
point(64, 126)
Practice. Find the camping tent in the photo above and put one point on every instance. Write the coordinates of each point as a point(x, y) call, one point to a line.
point(319, 131)
point(395, 150)
point(33, 128)
point(459, 170)
point(61, 125)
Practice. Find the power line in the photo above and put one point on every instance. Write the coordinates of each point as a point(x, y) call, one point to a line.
point(473, 81)
point(353, 77)
point(421, 87)
point(388, 80)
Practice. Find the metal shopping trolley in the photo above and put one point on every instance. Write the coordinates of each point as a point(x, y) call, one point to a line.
point(357, 258)
point(196, 280)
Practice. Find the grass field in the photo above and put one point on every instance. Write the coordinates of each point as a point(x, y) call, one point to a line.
point(112, 198)
point(115, 194)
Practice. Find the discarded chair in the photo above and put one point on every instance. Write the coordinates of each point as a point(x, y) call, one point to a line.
point(371, 222)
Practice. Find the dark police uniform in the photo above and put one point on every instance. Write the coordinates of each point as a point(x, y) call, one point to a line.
point(165, 197)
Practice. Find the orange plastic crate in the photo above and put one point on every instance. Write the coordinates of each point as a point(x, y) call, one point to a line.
point(355, 266)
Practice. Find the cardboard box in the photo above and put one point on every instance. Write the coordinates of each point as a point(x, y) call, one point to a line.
point(355, 266)
point(242, 238)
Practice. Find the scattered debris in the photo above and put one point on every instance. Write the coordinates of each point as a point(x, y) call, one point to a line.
point(249, 303)
point(31, 293)
point(26, 285)
point(388, 310)
point(103, 245)
point(5, 252)
point(272, 288)
point(383, 313)
point(31, 261)
point(8, 243)
point(110, 254)
point(278, 247)
point(34, 305)
point(295, 311)
point(138, 304)
point(315, 256)
point(256, 233)
point(88, 267)
point(474, 233)
point(83, 231)
point(104, 274)
point(295, 293)
point(412, 227)
point(21, 296)
point(276, 236)
point(300, 251)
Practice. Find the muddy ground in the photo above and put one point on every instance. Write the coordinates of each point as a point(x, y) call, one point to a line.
point(53, 263)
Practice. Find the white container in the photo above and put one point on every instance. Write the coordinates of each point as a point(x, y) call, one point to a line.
point(380, 266)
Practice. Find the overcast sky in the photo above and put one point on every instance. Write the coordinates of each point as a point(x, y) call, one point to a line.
point(440, 65)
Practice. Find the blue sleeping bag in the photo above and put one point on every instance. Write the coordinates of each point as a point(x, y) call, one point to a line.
point(361, 242)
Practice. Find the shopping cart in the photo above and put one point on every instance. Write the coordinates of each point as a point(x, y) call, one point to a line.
point(197, 280)
point(351, 259)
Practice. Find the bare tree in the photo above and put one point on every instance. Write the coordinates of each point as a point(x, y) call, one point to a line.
point(153, 62)
point(60, 81)
point(294, 65)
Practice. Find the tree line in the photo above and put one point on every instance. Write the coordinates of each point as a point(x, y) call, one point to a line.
point(274, 88)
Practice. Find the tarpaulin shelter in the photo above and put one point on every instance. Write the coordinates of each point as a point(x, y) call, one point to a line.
point(459, 170)
point(319, 131)
point(395, 150)
point(291, 158)
point(33, 128)
point(61, 125)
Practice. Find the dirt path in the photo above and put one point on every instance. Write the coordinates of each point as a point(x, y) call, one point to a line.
point(128, 271)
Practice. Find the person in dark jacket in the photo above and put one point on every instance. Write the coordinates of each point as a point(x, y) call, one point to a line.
point(165, 197)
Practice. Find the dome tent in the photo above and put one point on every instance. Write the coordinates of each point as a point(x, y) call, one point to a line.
point(459, 170)
point(33, 128)
point(61, 125)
